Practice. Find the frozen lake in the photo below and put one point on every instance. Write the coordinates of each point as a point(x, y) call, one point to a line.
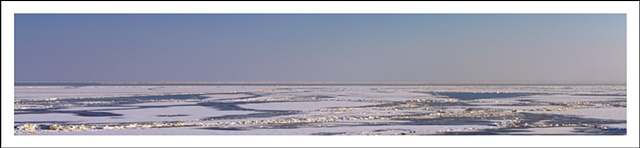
point(318, 109)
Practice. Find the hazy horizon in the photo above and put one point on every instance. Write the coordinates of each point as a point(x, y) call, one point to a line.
point(328, 82)
point(320, 48)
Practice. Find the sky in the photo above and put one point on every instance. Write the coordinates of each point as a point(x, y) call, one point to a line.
point(321, 47)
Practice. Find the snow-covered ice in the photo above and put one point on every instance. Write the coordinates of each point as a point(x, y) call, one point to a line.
point(303, 105)
point(319, 109)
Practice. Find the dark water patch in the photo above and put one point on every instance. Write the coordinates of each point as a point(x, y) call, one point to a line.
point(251, 95)
point(596, 131)
point(173, 115)
point(113, 101)
point(83, 113)
point(78, 113)
point(150, 106)
point(329, 133)
point(224, 128)
point(31, 111)
point(38, 111)
point(402, 103)
point(153, 106)
point(577, 120)
point(390, 104)
point(235, 105)
point(253, 115)
point(146, 107)
point(285, 126)
point(224, 106)
point(541, 104)
point(55, 110)
point(316, 96)
point(564, 119)
point(96, 114)
point(600, 95)
point(396, 129)
point(448, 104)
point(483, 95)
point(140, 99)
point(533, 118)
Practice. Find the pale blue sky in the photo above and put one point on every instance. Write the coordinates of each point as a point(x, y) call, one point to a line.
point(321, 47)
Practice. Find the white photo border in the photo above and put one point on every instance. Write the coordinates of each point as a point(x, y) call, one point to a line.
point(11, 8)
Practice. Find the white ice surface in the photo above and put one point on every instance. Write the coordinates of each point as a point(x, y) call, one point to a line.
point(302, 105)
point(295, 131)
point(598, 113)
point(40, 92)
point(386, 93)
point(223, 96)
point(364, 94)
point(623, 125)
point(94, 108)
point(517, 107)
point(58, 117)
point(134, 115)
point(193, 112)
point(550, 130)
point(160, 104)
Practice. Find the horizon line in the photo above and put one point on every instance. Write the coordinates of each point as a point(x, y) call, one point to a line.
point(326, 82)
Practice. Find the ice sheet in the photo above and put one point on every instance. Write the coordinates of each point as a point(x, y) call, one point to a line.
point(309, 110)
point(598, 113)
point(303, 105)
